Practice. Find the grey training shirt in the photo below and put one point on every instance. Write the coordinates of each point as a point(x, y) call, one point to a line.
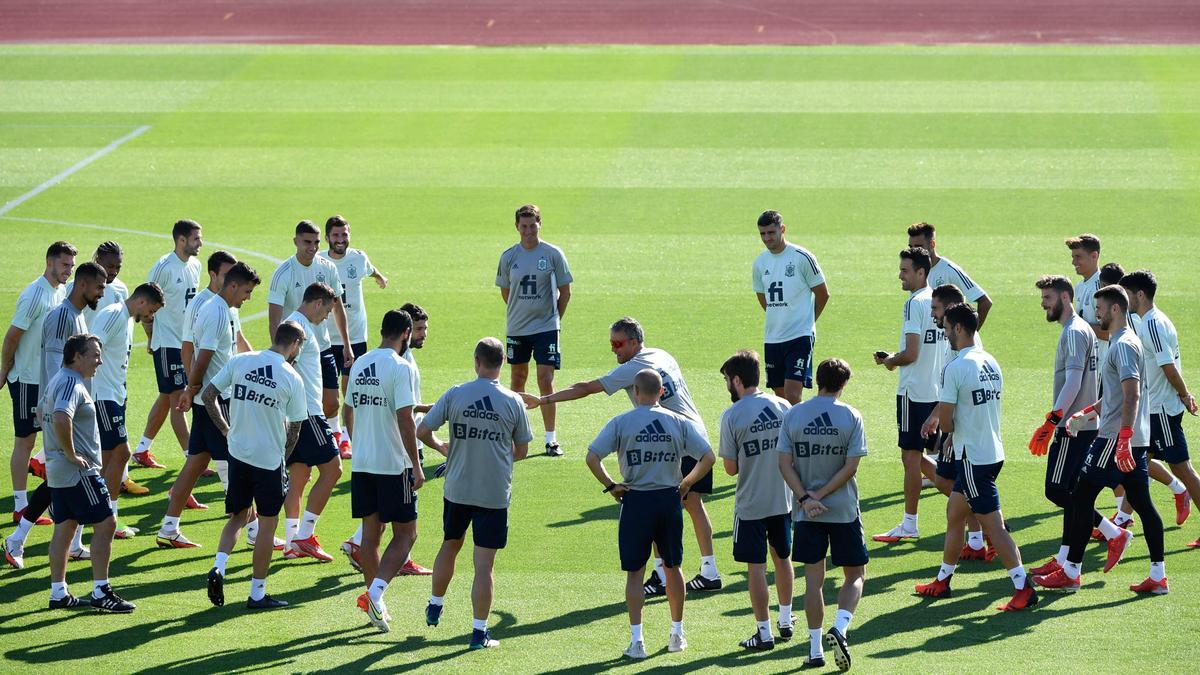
point(749, 432)
point(650, 442)
point(1124, 362)
point(68, 393)
point(532, 277)
point(820, 434)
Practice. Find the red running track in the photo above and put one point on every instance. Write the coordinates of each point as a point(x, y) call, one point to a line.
point(522, 22)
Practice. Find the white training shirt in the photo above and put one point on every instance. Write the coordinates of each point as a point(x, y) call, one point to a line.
point(267, 394)
point(114, 327)
point(179, 281)
point(291, 279)
point(38, 298)
point(216, 330)
point(946, 272)
point(919, 379)
point(787, 279)
point(380, 384)
point(308, 364)
point(1160, 345)
point(353, 268)
point(972, 383)
point(411, 358)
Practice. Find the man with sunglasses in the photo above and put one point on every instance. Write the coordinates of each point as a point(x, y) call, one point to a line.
point(626, 338)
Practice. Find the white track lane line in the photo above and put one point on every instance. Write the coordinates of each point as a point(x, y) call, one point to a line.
point(63, 175)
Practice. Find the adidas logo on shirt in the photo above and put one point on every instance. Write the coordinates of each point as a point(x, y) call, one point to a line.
point(263, 376)
point(367, 376)
point(653, 433)
point(482, 410)
point(822, 426)
point(766, 420)
point(989, 373)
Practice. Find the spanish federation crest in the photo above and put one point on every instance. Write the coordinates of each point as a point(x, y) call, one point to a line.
point(352, 272)
point(790, 270)
point(543, 264)
point(321, 277)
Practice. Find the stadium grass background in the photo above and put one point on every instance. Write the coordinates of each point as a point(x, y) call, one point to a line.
point(650, 165)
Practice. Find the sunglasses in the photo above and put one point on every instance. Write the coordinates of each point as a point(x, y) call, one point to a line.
point(617, 344)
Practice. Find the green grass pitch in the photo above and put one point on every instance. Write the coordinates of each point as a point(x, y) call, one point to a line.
point(650, 165)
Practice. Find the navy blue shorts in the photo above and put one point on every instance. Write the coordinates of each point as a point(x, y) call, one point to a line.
point(168, 370)
point(791, 360)
point(250, 485)
point(110, 417)
point(1100, 465)
point(1065, 459)
point(1167, 441)
point(24, 404)
point(390, 495)
point(910, 415)
point(977, 482)
point(946, 468)
point(543, 347)
point(85, 502)
point(329, 367)
point(751, 538)
point(650, 517)
point(205, 436)
point(489, 527)
point(702, 486)
point(315, 445)
point(842, 542)
point(359, 349)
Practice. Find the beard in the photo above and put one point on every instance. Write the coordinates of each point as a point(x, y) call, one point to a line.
point(414, 344)
point(1105, 322)
point(92, 303)
point(339, 249)
point(1055, 313)
point(733, 395)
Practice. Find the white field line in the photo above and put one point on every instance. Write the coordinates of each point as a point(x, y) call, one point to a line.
point(60, 177)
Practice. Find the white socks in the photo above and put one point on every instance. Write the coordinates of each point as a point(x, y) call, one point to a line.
point(377, 589)
point(708, 568)
point(77, 540)
point(1158, 571)
point(356, 538)
point(335, 424)
point(252, 530)
point(635, 632)
point(112, 504)
point(764, 631)
point(1062, 554)
point(785, 615)
point(909, 523)
point(308, 525)
point(1109, 529)
point(816, 649)
point(258, 588)
point(222, 467)
point(170, 524)
point(842, 622)
point(291, 526)
point(1177, 487)
point(1071, 569)
point(1017, 574)
point(58, 590)
point(125, 472)
point(22, 531)
point(946, 571)
point(20, 499)
point(479, 624)
point(1120, 502)
point(437, 600)
point(551, 437)
point(222, 559)
point(98, 584)
point(676, 628)
point(143, 445)
point(975, 540)
point(658, 569)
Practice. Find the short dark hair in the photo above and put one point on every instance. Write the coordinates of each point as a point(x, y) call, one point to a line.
point(288, 332)
point(241, 273)
point(1111, 273)
point(743, 365)
point(1087, 242)
point(1140, 280)
point(490, 352)
point(528, 211)
point(415, 311)
point(76, 345)
point(1056, 282)
point(395, 322)
point(922, 229)
point(184, 229)
point(918, 256)
point(332, 222)
point(1114, 295)
point(306, 227)
point(630, 327)
point(962, 315)
point(832, 375)
point(60, 248)
point(770, 218)
point(108, 248)
point(318, 291)
point(949, 294)
point(90, 271)
point(219, 258)
point(151, 292)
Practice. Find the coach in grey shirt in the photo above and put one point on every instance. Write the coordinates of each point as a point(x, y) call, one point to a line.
point(67, 319)
point(488, 432)
point(77, 493)
point(650, 442)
